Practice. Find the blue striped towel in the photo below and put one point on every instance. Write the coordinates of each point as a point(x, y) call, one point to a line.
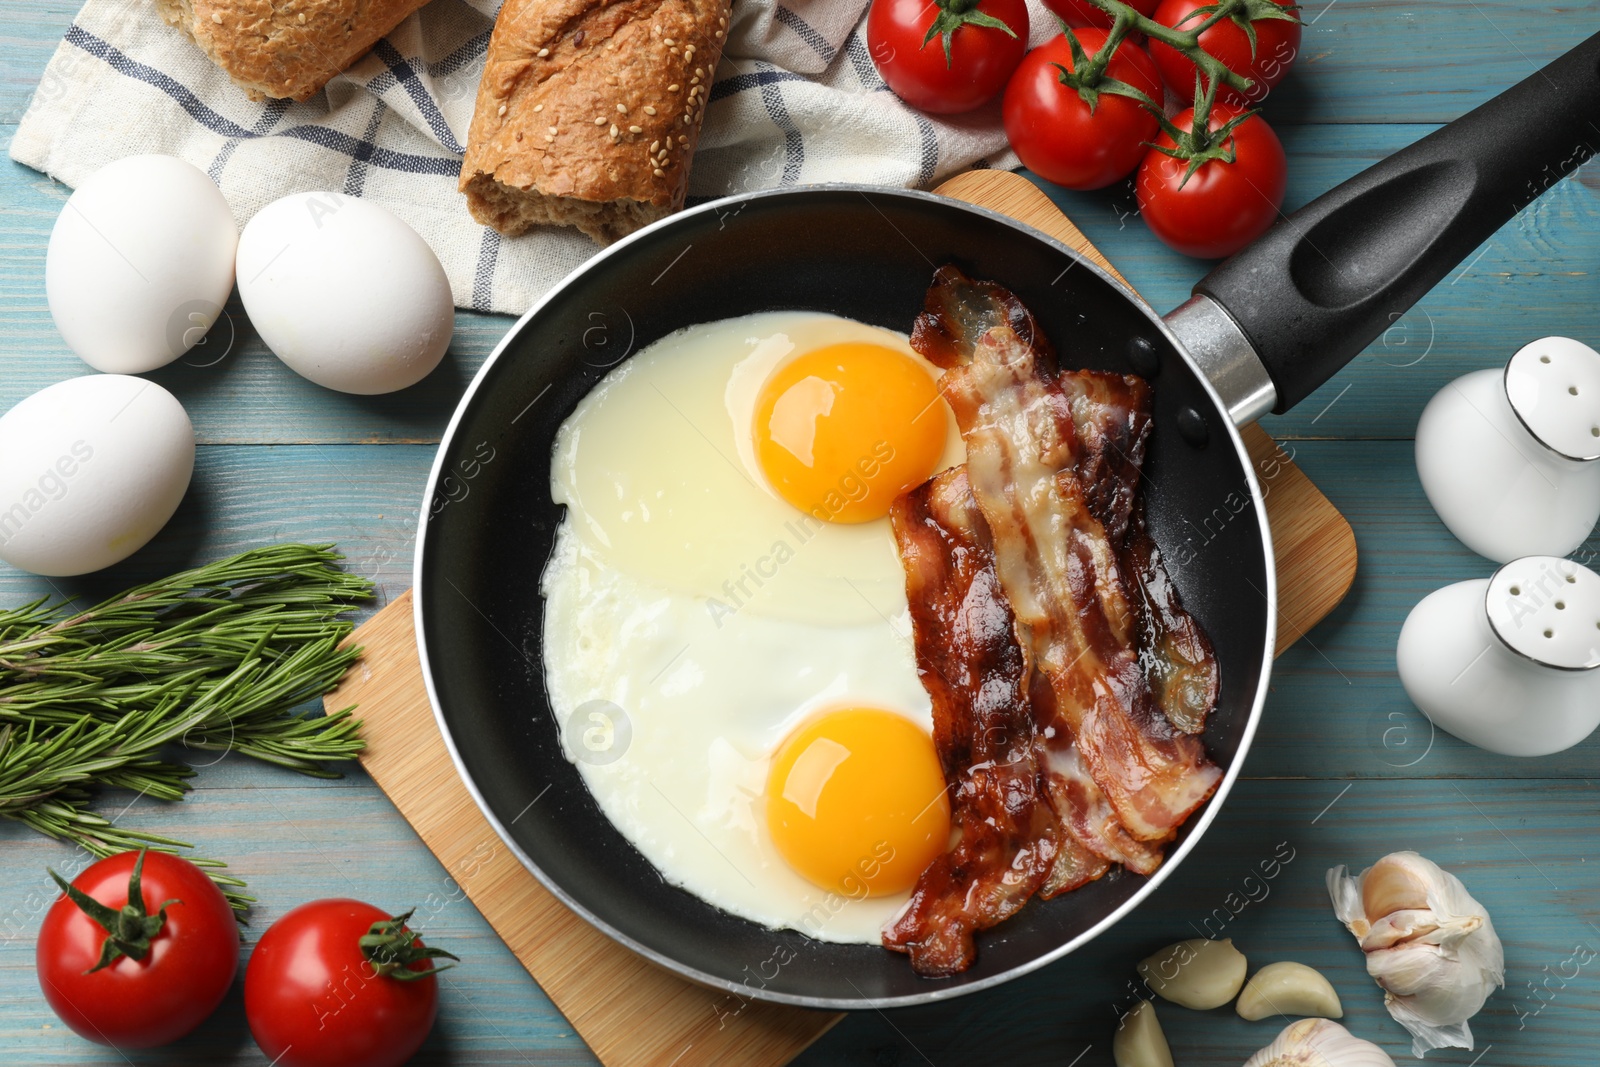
point(796, 99)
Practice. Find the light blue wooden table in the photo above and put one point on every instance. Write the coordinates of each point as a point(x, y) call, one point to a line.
point(1344, 770)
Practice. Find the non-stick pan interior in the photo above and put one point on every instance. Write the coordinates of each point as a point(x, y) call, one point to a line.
point(868, 256)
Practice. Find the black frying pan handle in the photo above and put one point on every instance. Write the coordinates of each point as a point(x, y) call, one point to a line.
point(1328, 280)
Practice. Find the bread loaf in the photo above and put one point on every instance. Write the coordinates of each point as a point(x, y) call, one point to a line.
point(589, 111)
point(285, 48)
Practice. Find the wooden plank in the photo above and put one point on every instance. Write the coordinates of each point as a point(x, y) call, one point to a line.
point(29, 33)
point(367, 500)
point(296, 842)
point(1391, 61)
point(1362, 60)
point(293, 840)
point(235, 390)
point(1521, 848)
point(1316, 723)
point(1538, 273)
point(1335, 709)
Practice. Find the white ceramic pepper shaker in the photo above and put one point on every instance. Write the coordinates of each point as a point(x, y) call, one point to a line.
point(1511, 459)
point(1509, 663)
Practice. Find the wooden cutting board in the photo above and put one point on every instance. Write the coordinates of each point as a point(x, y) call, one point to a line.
point(628, 1010)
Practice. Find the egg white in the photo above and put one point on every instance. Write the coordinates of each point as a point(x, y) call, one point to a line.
point(712, 618)
point(658, 471)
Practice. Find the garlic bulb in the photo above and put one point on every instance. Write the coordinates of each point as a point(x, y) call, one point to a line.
point(1319, 1043)
point(1428, 943)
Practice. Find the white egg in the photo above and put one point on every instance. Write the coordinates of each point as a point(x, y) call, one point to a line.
point(94, 467)
point(345, 293)
point(695, 619)
point(140, 263)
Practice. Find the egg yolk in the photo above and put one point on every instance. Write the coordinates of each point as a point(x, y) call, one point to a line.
point(856, 802)
point(841, 431)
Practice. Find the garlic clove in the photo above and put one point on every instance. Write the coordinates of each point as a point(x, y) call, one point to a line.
point(1139, 1041)
point(1394, 883)
point(1319, 1043)
point(1197, 973)
point(1399, 926)
point(1288, 989)
point(1435, 952)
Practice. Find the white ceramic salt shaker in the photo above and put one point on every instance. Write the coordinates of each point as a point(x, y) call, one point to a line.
point(1511, 459)
point(1511, 663)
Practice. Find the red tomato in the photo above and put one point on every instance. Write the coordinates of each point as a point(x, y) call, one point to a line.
point(315, 997)
point(916, 66)
point(1084, 13)
point(1223, 206)
point(166, 976)
point(1058, 136)
point(1277, 45)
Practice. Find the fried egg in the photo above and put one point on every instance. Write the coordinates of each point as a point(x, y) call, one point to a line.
point(727, 643)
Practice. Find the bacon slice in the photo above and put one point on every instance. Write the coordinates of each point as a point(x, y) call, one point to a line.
point(1112, 415)
point(1056, 564)
point(977, 675)
point(1087, 815)
point(1174, 651)
point(1030, 814)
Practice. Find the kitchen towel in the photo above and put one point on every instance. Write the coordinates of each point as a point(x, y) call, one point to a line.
point(796, 100)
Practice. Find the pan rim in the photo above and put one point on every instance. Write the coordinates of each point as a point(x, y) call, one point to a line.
point(1198, 827)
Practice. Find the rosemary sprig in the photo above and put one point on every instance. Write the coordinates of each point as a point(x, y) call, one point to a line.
point(211, 658)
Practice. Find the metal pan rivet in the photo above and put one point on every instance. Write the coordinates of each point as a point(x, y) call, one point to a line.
point(1144, 357)
point(1192, 427)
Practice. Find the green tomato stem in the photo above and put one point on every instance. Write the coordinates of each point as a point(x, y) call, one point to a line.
point(129, 929)
point(954, 14)
point(1125, 19)
point(390, 948)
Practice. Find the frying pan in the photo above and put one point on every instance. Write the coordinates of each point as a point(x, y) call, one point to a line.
point(1261, 332)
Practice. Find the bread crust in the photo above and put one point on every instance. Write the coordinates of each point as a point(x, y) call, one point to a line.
point(589, 112)
point(285, 48)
